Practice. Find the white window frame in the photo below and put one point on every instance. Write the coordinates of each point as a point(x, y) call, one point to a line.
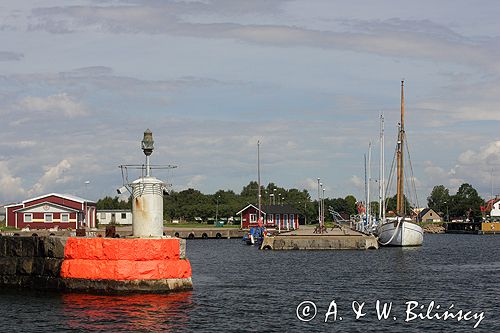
point(67, 219)
point(103, 216)
point(253, 218)
point(30, 217)
point(45, 220)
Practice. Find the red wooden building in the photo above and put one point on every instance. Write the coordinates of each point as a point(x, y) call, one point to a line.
point(284, 217)
point(51, 210)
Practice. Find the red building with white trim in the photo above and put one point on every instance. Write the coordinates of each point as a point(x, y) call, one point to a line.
point(284, 217)
point(51, 210)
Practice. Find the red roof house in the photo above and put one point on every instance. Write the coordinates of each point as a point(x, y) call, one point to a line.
point(51, 210)
point(284, 217)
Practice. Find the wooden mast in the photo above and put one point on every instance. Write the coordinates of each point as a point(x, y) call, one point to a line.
point(259, 219)
point(400, 206)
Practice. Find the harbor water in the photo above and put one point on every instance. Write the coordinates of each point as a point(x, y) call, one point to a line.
point(239, 288)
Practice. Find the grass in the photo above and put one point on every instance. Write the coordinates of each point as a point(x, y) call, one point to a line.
point(197, 225)
point(4, 228)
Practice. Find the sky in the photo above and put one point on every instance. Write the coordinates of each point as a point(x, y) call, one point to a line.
point(80, 81)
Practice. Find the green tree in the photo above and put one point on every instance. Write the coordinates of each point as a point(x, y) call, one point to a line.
point(439, 199)
point(392, 202)
point(113, 203)
point(351, 204)
point(466, 203)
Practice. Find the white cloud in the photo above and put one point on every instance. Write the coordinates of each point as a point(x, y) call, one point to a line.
point(60, 103)
point(10, 186)
point(53, 175)
point(310, 184)
point(473, 167)
point(196, 180)
point(357, 182)
point(488, 155)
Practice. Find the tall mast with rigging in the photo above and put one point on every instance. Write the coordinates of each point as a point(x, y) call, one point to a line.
point(259, 219)
point(381, 213)
point(400, 206)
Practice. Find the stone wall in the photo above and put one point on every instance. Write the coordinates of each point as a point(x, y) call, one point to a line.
point(31, 262)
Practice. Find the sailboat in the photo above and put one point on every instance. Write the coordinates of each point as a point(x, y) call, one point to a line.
point(400, 231)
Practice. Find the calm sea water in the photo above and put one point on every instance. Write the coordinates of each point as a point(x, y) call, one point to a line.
point(239, 288)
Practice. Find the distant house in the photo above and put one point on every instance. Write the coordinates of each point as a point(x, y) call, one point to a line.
point(274, 216)
point(492, 208)
point(428, 215)
point(52, 210)
point(114, 216)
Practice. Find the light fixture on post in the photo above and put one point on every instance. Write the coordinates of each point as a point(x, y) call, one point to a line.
point(147, 145)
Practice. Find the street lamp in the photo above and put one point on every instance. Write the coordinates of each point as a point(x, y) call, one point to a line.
point(272, 198)
point(323, 206)
point(217, 209)
point(319, 206)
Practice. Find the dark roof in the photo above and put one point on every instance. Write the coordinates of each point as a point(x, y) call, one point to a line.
point(279, 209)
point(425, 211)
point(273, 209)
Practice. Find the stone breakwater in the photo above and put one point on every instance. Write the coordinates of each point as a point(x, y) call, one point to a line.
point(94, 264)
point(434, 229)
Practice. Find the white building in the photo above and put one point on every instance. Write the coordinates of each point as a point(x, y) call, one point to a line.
point(495, 209)
point(114, 216)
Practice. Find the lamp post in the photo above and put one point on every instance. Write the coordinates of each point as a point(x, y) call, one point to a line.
point(319, 206)
point(217, 209)
point(323, 207)
point(272, 198)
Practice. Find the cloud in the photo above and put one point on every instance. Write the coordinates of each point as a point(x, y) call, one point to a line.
point(195, 181)
point(60, 103)
point(10, 56)
point(53, 175)
point(310, 184)
point(357, 182)
point(10, 186)
point(472, 166)
point(420, 39)
point(463, 99)
point(488, 155)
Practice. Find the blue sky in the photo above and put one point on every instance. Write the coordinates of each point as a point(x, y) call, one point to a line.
point(80, 81)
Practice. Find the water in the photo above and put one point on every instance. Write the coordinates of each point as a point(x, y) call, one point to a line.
point(239, 288)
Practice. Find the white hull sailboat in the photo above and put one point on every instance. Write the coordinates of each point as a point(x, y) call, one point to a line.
point(400, 231)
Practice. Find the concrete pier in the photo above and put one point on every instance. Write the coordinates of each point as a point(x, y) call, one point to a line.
point(306, 239)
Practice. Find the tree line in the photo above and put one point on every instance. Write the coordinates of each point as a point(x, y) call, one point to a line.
point(465, 204)
point(191, 204)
